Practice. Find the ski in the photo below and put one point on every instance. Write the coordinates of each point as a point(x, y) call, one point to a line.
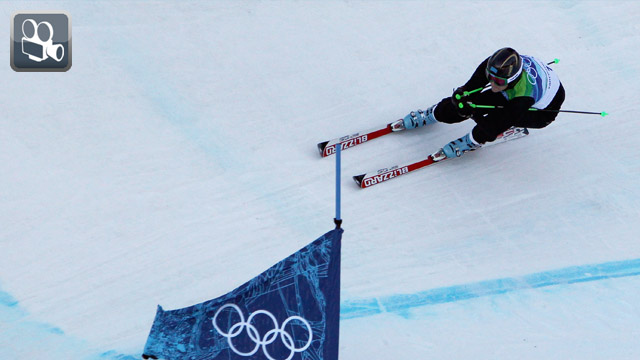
point(369, 179)
point(327, 148)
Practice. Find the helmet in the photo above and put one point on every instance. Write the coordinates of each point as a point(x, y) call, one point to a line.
point(504, 66)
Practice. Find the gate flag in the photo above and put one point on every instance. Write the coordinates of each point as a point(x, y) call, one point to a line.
point(289, 312)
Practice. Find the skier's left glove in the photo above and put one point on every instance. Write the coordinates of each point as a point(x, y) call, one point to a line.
point(460, 101)
point(465, 110)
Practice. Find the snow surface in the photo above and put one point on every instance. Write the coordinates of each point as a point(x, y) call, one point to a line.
point(176, 160)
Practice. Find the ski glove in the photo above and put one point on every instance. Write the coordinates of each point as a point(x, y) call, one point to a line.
point(463, 109)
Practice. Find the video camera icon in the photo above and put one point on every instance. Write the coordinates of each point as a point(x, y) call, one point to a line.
point(41, 41)
point(37, 42)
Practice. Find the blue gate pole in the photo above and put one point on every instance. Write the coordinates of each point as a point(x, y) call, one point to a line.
point(338, 220)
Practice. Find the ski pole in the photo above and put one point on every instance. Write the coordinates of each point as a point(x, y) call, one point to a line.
point(472, 105)
point(467, 93)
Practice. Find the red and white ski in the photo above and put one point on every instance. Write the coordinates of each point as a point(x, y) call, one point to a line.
point(384, 174)
point(327, 148)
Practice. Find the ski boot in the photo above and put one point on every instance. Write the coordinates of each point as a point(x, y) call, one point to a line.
point(415, 119)
point(458, 147)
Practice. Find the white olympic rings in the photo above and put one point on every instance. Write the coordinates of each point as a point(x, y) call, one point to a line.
point(532, 74)
point(268, 338)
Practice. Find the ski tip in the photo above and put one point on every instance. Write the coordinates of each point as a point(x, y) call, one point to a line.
point(358, 179)
point(321, 147)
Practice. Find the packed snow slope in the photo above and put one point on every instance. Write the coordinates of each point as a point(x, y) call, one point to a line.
point(176, 160)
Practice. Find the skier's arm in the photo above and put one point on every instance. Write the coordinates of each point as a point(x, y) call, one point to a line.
point(479, 77)
point(477, 80)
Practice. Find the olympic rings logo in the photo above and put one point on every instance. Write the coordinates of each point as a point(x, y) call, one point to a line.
point(532, 74)
point(254, 335)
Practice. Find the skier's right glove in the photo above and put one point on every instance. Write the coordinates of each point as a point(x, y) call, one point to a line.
point(458, 94)
point(459, 100)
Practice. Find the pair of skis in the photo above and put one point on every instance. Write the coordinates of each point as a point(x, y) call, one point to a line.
point(327, 148)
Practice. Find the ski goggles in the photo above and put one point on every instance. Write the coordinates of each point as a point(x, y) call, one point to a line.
point(500, 81)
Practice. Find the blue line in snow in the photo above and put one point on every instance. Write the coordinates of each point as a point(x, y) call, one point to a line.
point(7, 300)
point(357, 308)
point(21, 335)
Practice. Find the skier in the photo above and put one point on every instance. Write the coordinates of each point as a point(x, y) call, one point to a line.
point(518, 82)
